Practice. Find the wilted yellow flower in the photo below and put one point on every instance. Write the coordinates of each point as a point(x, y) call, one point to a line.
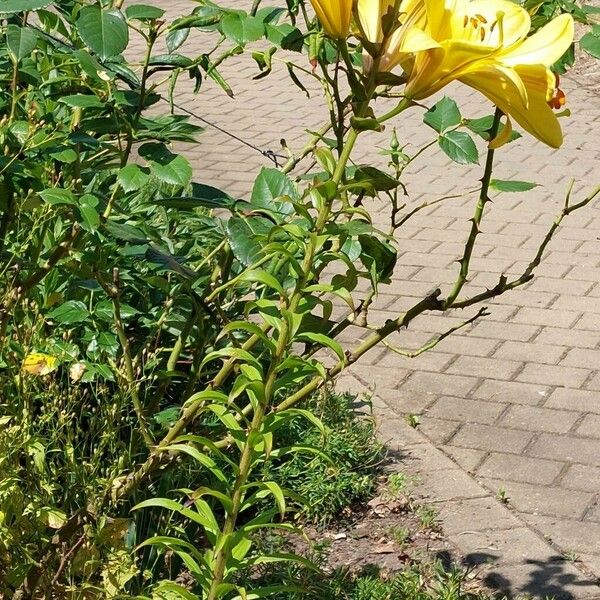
point(38, 363)
point(335, 16)
point(484, 44)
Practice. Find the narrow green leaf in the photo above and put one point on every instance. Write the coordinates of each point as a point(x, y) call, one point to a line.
point(143, 12)
point(501, 185)
point(14, 6)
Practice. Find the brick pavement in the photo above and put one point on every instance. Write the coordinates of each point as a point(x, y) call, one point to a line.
point(514, 400)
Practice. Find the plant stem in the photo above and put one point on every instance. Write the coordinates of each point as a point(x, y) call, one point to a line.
point(476, 220)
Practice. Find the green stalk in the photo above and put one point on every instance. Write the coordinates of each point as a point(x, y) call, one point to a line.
point(476, 219)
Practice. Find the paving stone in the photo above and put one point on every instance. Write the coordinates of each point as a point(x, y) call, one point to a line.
point(552, 501)
point(553, 375)
point(523, 351)
point(568, 534)
point(516, 546)
point(582, 477)
point(434, 384)
point(473, 435)
point(466, 410)
point(574, 338)
point(484, 367)
point(546, 316)
point(504, 331)
point(534, 418)
point(467, 458)
point(566, 447)
point(590, 426)
point(554, 578)
point(438, 430)
point(441, 486)
point(512, 392)
point(475, 514)
point(572, 399)
point(512, 467)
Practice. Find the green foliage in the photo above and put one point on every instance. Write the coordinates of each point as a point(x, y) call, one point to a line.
point(345, 471)
point(159, 338)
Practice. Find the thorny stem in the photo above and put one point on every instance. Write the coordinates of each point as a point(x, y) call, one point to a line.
point(476, 219)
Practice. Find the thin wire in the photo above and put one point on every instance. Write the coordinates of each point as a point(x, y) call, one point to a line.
point(266, 153)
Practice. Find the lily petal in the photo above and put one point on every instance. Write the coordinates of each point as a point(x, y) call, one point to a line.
point(545, 46)
point(538, 118)
point(503, 137)
point(334, 15)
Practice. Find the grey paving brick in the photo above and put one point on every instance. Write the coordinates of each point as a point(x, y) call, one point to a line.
point(546, 316)
point(566, 447)
point(475, 514)
point(434, 384)
point(569, 534)
point(485, 367)
point(553, 375)
point(572, 399)
point(438, 430)
point(534, 418)
point(574, 338)
point(534, 352)
point(582, 477)
point(513, 392)
point(552, 501)
point(486, 437)
point(466, 458)
point(512, 467)
point(516, 546)
point(590, 426)
point(466, 410)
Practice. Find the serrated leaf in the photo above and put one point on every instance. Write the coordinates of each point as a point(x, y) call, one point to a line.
point(57, 196)
point(591, 44)
point(105, 32)
point(175, 39)
point(501, 185)
point(133, 177)
point(241, 29)
point(460, 147)
point(20, 42)
point(270, 185)
point(246, 237)
point(166, 166)
point(443, 115)
point(69, 313)
point(13, 6)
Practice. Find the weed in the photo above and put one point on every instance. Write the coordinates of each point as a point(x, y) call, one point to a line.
point(428, 516)
point(501, 496)
point(400, 535)
point(399, 484)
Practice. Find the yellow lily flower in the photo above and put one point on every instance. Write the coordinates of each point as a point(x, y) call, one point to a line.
point(484, 44)
point(335, 16)
point(406, 37)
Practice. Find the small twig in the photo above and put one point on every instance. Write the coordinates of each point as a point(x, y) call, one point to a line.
point(482, 312)
point(114, 293)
